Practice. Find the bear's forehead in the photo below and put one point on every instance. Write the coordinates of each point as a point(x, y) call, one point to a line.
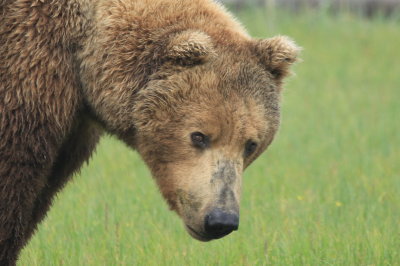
point(238, 75)
point(235, 117)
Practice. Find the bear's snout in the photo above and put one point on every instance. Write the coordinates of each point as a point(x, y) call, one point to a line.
point(219, 223)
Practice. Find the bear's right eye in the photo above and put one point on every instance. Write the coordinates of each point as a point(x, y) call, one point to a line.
point(200, 140)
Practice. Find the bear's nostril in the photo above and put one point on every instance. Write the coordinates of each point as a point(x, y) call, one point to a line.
point(219, 223)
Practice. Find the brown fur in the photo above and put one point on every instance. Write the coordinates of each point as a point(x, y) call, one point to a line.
point(150, 72)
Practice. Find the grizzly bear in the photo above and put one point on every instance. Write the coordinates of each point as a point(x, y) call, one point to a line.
point(179, 81)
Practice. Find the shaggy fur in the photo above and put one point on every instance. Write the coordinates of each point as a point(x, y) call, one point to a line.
point(150, 72)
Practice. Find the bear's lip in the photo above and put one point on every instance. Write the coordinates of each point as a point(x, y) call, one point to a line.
point(197, 235)
point(202, 236)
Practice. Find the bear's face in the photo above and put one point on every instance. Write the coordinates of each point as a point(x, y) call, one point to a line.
point(199, 126)
point(197, 151)
point(199, 114)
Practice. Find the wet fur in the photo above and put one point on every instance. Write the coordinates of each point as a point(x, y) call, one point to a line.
point(70, 70)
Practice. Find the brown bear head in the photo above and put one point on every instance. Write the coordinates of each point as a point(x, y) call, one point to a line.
point(203, 117)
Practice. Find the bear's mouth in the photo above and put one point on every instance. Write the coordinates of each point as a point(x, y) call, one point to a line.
point(197, 235)
point(204, 237)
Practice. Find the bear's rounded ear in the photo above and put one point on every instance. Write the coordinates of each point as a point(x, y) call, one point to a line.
point(277, 54)
point(189, 47)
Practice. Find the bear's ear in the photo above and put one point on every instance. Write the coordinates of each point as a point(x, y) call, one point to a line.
point(190, 47)
point(277, 54)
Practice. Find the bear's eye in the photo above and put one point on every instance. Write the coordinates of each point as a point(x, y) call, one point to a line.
point(200, 140)
point(250, 147)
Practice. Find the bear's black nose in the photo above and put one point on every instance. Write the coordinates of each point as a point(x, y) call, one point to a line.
point(219, 223)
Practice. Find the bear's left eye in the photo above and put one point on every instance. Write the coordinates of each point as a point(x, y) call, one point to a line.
point(250, 147)
point(200, 140)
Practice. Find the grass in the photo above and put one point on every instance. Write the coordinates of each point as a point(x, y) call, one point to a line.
point(325, 193)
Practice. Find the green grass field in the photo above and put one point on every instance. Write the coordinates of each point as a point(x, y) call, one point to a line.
point(327, 192)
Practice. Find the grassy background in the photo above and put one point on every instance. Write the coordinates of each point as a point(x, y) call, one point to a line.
point(326, 192)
